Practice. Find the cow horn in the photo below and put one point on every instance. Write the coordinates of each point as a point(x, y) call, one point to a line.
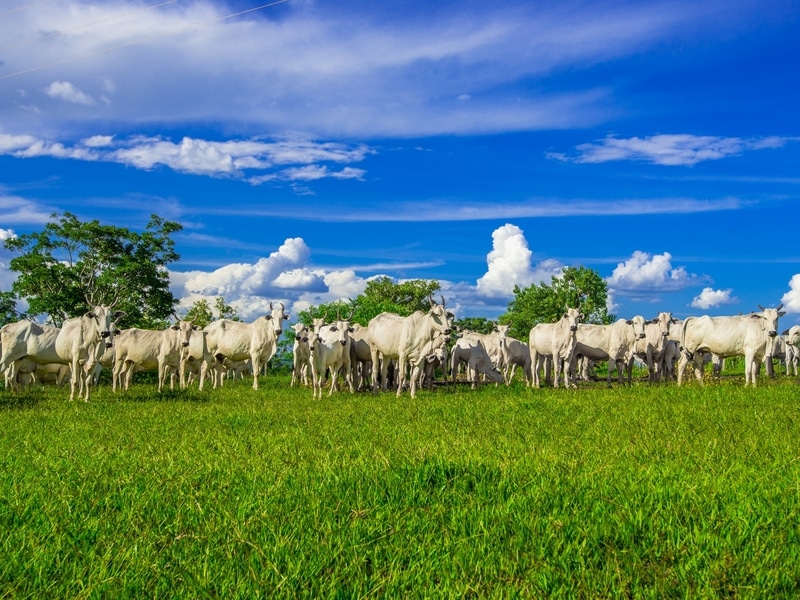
point(442, 297)
point(352, 312)
point(270, 304)
point(432, 301)
point(780, 306)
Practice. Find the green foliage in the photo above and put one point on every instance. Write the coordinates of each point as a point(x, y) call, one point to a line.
point(8, 308)
point(634, 492)
point(70, 264)
point(577, 288)
point(381, 295)
point(202, 314)
point(478, 324)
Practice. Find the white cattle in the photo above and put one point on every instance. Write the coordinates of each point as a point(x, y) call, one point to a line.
point(404, 338)
point(613, 343)
point(435, 358)
point(151, 349)
point(555, 341)
point(516, 354)
point(742, 335)
point(360, 355)
point(792, 339)
point(196, 360)
point(79, 343)
point(257, 341)
point(469, 349)
point(652, 347)
point(52, 374)
point(330, 349)
point(301, 354)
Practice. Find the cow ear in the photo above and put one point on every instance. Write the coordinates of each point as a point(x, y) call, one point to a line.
point(350, 329)
point(175, 328)
point(629, 321)
point(334, 328)
point(118, 315)
point(781, 313)
point(195, 328)
point(285, 316)
point(268, 317)
point(450, 315)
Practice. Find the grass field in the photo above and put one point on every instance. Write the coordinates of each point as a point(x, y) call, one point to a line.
point(642, 491)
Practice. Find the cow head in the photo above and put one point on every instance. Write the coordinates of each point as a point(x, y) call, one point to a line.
point(792, 336)
point(572, 317)
point(104, 322)
point(638, 324)
point(184, 329)
point(442, 319)
point(342, 328)
point(300, 332)
point(770, 316)
point(277, 317)
point(664, 320)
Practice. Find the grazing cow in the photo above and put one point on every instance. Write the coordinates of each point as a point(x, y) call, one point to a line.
point(651, 348)
point(52, 374)
point(301, 354)
point(555, 341)
point(79, 343)
point(614, 343)
point(149, 349)
point(742, 335)
point(257, 341)
point(404, 338)
point(469, 349)
point(330, 349)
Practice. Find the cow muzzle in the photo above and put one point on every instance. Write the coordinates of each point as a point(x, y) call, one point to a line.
point(773, 333)
point(343, 342)
point(573, 328)
point(109, 345)
point(185, 344)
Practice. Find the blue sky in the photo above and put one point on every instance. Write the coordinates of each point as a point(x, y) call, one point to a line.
point(307, 146)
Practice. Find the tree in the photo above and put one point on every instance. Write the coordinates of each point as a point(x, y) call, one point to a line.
point(577, 287)
point(380, 295)
point(478, 324)
point(8, 308)
point(72, 263)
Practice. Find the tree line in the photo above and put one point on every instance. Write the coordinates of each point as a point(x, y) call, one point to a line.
point(72, 263)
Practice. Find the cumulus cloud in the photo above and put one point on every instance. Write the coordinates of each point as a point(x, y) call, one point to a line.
point(283, 276)
point(67, 91)
point(644, 274)
point(709, 298)
point(7, 276)
point(791, 299)
point(509, 264)
point(669, 150)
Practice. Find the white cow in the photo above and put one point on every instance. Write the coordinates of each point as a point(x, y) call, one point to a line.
point(196, 360)
point(613, 343)
point(301, 355)
point(330, 349)
point(792, 339)
point(469, 349)
point(435, 354)
point(515, 354)
point(257, 341)
point(652, 347)
point(555, 341)
point(404, 338)
point(151, 349)
point(360, 355)
point(742, 335)
point(79, 343)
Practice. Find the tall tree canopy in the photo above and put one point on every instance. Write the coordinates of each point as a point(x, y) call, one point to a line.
point(201, 313)
point(577, 287)
point(8, 308)
point(381, 295)
point(71, 263)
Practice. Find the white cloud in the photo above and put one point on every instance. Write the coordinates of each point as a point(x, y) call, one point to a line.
point(791, 299)
point(644, 274)
point(204, 157)
point(669, 150)
point(709, 298)
point(7, 276)
point(333, 71)
point(509, 264)
point(67, 91)
point(14, 209)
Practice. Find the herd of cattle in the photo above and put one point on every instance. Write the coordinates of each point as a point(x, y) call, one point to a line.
point(388, 348)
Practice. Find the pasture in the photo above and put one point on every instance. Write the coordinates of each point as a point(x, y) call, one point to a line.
point(643, 491)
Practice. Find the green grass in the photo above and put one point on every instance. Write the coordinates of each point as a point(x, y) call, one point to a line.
point(643, 491)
